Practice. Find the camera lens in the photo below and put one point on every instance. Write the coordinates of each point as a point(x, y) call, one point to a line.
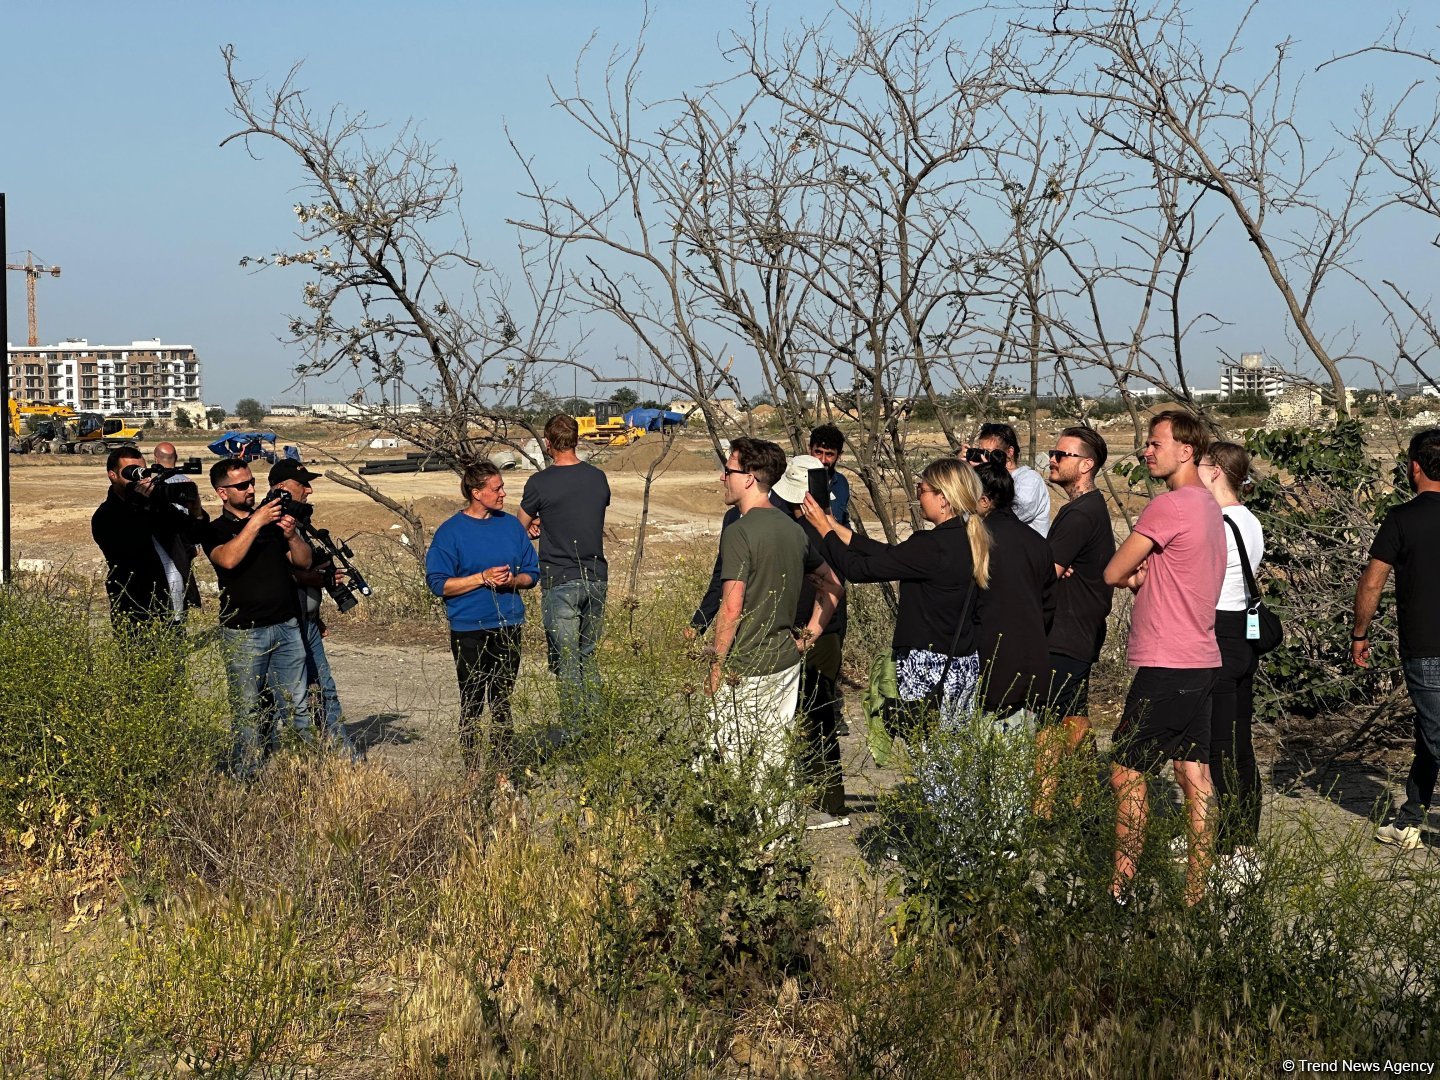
point(133, 473)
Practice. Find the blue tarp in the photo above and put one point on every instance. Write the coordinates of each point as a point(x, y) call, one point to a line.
point(246, 445)
point(653, 419)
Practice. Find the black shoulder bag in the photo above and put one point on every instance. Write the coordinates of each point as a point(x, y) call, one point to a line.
point(1272, 633)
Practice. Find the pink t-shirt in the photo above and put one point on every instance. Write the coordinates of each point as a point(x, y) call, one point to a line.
point(1173, 623)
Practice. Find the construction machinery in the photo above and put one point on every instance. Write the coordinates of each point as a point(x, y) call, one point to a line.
point(55, 428)
point(607, 427)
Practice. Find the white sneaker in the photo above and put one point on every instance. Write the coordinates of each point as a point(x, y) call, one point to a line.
point(1236, 871)
point(1405, 837)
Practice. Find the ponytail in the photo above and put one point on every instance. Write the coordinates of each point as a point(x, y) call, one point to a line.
point(979, 549)
point(958, 483)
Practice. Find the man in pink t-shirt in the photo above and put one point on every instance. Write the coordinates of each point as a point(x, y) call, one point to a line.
point(1174, 562)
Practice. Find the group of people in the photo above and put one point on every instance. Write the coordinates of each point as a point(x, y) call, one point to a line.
point(150, 529)
point(1002, 611)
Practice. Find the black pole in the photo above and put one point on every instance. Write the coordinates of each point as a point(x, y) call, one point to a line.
point(5, 407)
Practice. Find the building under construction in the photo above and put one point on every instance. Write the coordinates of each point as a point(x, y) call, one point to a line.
point(144, 378)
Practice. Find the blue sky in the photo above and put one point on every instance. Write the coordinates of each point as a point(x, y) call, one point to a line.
point(110, 160)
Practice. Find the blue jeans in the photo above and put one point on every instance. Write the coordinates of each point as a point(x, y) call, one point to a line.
point(317, 673)
point(266, 657)
point(1422, 678)
point(573, 614)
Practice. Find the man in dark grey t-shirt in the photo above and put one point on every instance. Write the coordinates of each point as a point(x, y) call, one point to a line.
point(564, 505)
point(1406, 543)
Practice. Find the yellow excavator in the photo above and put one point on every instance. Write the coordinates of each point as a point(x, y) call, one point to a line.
point(41, 428)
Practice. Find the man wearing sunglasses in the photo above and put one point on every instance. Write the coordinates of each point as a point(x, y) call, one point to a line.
point(255, 551)
point(1082, 542)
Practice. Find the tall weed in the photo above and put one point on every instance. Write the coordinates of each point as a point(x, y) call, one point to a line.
point(95, 731)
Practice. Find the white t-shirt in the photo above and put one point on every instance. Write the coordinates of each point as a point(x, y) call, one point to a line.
point(1032, 499)
point(1232, 593)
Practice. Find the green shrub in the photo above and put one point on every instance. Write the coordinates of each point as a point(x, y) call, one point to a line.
point(1320, 496)
point(1324, 955)
point(95, 732)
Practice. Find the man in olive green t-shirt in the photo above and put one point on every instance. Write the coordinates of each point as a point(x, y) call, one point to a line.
point(754, 682)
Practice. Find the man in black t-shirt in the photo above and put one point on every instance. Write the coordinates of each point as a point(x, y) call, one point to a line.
point(1407, 542)
point(255, 550)
point(1082, 542)
point(564, 505)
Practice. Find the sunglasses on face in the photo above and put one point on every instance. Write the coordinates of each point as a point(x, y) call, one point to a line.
point(1061, 455)
point(242, 485)
point(734, 472)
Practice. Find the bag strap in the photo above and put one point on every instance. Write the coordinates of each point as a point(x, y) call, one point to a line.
point(1252, 591)
point(959, 629)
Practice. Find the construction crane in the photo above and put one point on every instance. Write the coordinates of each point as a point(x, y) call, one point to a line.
point(32, 271)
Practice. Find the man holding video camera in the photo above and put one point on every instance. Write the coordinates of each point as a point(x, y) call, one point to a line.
point(148, 537)
point(255, 549)
point(295, 480)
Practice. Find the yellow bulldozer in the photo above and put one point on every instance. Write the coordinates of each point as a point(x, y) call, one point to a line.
point(607, 427)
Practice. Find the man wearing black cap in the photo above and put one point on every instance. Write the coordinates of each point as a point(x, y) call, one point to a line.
point(296, 480)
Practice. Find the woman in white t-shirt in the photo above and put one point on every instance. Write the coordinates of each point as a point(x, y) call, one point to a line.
point(1225, 471)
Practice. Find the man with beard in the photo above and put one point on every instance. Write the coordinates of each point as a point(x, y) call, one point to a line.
point(1082, 543)
point(255, 550)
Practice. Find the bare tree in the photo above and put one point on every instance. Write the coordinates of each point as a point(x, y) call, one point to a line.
point(393, 290)
point(812, 211)
point(1193, 119)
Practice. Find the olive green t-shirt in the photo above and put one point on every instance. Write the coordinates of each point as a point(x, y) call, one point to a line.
point(768, 551)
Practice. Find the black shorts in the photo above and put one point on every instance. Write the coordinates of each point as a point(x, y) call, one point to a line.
point(1167, 718)
point(1068, 693)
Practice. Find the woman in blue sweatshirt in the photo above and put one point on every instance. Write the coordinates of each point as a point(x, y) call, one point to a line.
point(478, 561)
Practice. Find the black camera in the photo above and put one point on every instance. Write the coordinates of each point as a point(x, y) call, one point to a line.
point(290, 505)
point(136, 473)
point(184, 492)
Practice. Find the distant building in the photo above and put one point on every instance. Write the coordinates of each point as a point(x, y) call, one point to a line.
point(144, 378)
point(1251, 376)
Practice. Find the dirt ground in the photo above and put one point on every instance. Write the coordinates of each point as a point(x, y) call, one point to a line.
point(397, 683)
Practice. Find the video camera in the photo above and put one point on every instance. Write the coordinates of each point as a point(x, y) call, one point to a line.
point(182, 493)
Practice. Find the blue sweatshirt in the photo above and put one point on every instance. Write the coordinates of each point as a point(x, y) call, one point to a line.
point(464, 545)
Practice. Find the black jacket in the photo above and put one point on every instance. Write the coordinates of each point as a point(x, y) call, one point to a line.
point(125, 529)
point(1015, 614)
point(936, 575)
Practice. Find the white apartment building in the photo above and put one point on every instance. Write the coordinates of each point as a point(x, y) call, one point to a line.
point(144, 378)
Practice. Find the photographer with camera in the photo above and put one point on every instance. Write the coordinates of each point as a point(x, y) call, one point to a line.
point(296, 481)
point(255, 549)
point(148, 538)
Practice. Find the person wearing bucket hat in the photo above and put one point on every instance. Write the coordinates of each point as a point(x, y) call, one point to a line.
point(819, 711)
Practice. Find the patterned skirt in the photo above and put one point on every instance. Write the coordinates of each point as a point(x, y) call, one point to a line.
point(918, 672)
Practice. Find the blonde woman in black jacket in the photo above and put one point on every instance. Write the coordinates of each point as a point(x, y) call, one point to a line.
point(938, 570)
